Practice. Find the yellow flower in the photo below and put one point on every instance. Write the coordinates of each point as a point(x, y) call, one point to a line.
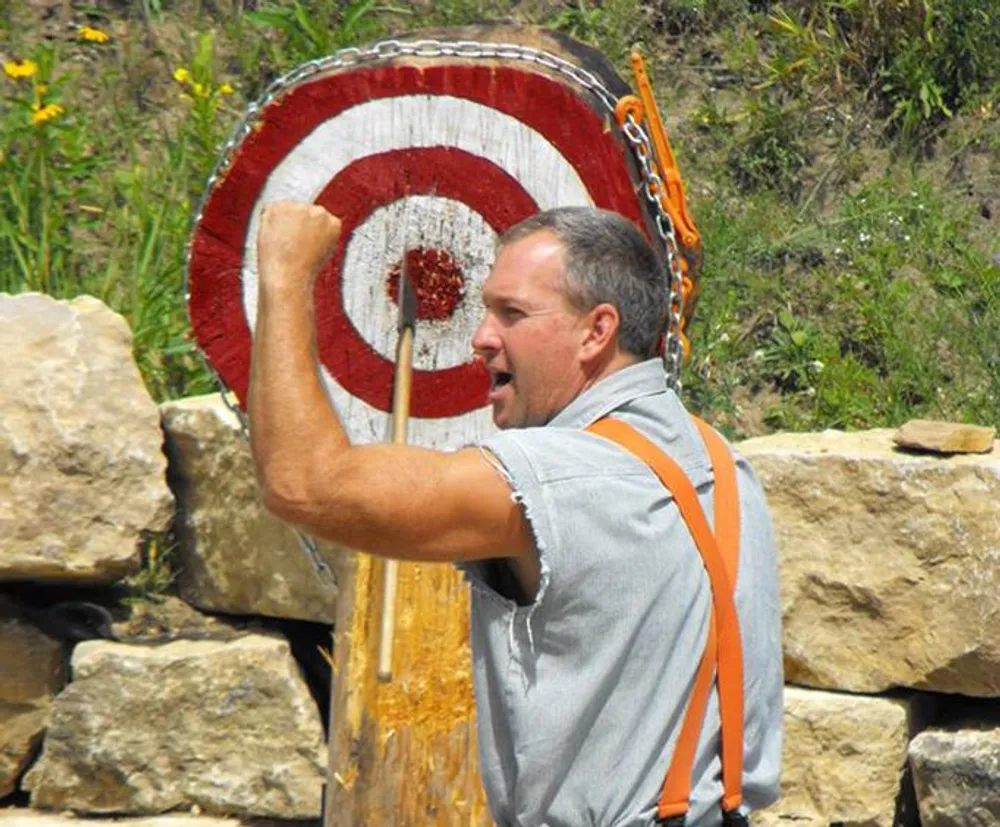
point(200, 90)
point(18, 69)
point(94, 35)
point(225, 89)
point(45, 113)
point(182, 75)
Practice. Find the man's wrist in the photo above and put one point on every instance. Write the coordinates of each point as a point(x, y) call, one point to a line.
point(290, 286)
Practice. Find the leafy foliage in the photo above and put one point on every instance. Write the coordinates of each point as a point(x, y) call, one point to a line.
point(157, 571)
point(770, 151)
point(872, 316)
point(300, 34)
point(613, 26)
point(920, 60)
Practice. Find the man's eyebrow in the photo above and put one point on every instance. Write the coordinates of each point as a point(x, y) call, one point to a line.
point(505, 301)
point(496, 297)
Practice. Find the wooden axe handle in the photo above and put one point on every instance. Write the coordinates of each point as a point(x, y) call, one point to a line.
point(400, 417)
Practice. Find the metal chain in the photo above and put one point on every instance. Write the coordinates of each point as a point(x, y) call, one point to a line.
point(388, 50)
point(653, 189)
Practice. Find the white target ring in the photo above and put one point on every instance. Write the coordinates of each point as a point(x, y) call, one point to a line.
point(374, 246)
point(378, 243)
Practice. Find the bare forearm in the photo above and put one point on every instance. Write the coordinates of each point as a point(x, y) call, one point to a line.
point(293, 428)
point(291, 421)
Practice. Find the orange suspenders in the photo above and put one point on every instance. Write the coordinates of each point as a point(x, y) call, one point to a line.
point(723, 651)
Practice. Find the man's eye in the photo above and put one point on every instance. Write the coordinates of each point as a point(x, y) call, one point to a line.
point(512, 313)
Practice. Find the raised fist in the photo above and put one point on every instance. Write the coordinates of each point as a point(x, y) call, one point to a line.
point(293, 242)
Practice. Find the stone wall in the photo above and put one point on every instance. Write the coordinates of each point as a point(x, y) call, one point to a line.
point(115, 700)
point(890, 588)
point(208, 702)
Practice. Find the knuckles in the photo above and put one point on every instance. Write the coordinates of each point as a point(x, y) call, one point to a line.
point(295, 237)
point(308, 216)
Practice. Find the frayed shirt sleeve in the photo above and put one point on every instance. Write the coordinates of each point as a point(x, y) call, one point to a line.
point(509, 453)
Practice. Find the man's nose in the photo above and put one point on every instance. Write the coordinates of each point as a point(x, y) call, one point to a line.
point(485, 340)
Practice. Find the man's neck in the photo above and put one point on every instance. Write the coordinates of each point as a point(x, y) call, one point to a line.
point(618, 361)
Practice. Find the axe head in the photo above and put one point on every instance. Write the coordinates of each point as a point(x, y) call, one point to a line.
point(407, 297)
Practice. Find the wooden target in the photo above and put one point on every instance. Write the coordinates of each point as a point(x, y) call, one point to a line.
point(438, 156)
point(437, 148)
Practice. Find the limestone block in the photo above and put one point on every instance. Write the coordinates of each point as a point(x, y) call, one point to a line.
point(21, 730)
point(32, 670)
point(945, 437)
point(227, 726)
point(956, 774)
point(234, 556)
point(843, 760)
point(890, 562)
point(82, 471)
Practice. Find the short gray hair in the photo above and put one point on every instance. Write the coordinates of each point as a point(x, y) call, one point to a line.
point(607, 260)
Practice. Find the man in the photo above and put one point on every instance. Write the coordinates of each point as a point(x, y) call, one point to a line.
point(591, 605)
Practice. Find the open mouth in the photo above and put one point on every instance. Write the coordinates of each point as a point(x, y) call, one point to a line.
point(501, 379)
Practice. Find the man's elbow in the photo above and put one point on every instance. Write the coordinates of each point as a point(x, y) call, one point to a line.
point(285, 494)
point(313, 498)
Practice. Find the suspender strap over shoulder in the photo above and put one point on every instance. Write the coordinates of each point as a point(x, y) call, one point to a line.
point(723, 650)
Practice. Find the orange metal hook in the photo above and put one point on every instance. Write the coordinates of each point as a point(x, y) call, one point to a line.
point(628, 105)
point(673, 199)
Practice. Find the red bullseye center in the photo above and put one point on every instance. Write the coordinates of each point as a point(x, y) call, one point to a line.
point(437, 281)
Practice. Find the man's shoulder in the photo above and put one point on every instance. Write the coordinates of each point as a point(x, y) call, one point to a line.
point(555, 453)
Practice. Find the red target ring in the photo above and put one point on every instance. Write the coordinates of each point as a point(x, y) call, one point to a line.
point(437, 280)
point(563, 122)
point(376, 181)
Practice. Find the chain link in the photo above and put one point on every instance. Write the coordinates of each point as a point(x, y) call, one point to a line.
point(653, 187)
point(387, 50)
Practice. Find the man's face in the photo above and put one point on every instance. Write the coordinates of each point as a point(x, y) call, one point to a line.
point(530, 335)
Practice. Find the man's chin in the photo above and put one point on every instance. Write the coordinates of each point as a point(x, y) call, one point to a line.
point(502, 417)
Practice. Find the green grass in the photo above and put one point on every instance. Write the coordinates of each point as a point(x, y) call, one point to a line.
point(827, 149)
point(868, 317)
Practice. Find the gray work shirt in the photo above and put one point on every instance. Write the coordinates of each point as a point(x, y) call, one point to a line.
point(580, 695)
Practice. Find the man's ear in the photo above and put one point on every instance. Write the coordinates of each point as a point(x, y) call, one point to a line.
point(601, 332)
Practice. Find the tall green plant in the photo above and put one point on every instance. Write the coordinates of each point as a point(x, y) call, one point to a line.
point(85, 210)
point(205, 96)
point(44, 194)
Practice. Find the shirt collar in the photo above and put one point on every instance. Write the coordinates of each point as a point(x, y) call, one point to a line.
point(621, 387)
